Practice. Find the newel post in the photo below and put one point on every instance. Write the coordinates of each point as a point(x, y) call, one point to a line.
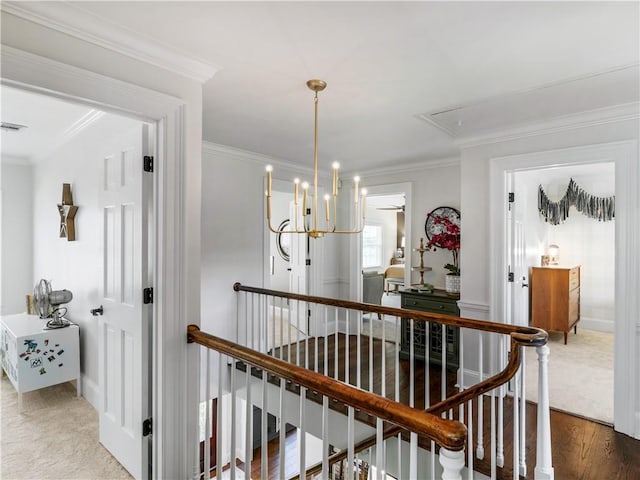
point(452, 463)
point(544, 467)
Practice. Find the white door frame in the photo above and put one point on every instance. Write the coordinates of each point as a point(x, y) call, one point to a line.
point(175, 367)
point(627, 246)
point(355, 273)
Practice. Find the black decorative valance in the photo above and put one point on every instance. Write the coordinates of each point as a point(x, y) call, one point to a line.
point(600, 208)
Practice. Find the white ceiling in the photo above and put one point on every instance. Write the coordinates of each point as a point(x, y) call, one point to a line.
point(49, 122)
point(407, 81)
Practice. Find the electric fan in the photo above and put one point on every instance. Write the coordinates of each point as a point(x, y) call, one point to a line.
point(47, 302)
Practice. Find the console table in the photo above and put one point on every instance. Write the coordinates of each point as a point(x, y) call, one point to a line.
point(436, 301)
point(35, 357)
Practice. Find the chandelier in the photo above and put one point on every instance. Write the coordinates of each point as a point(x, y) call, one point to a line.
point(307, 220)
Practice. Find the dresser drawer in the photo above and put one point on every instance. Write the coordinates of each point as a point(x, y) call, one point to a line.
point(429, 305)
point(574, 278)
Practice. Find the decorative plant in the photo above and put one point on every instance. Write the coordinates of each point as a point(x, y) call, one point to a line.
point(448, 239)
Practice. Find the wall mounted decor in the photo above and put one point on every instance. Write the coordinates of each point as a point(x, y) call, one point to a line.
point(67, 211)
point(600, 208)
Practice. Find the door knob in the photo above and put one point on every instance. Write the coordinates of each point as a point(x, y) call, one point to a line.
point(97, 311)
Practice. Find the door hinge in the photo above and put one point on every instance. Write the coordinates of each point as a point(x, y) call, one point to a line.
point(307, 262)
point(147, 295)
point(148, 163)
point(510, 277)
point(147, 427)
point(512, 197)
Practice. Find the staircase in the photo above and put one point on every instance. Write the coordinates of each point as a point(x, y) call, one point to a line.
point(359, 408)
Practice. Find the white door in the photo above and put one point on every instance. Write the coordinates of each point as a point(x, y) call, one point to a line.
point(124, 336)
point(298, 270)
point(517, 291)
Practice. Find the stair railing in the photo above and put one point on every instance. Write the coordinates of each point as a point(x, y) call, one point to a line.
point(449, 435)
point(369, 347)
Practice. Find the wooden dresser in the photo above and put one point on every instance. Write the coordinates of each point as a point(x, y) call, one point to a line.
point(555, 298)
point(436, 301)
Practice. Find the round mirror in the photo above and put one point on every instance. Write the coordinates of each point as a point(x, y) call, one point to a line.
point(283, 240)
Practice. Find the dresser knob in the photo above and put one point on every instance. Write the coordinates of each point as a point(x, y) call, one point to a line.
point(441, 307)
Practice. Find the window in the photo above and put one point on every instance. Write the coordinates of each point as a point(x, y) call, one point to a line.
point(372, 246)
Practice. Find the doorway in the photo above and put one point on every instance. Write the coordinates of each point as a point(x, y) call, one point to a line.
point(384, 196)
point(581, 371)
point(624, 156)
point(70, 142)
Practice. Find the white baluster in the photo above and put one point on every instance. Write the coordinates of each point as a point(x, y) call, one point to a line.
point(207, 416)
point(544, 467)
point(359, 349)
point(350, 441)
point(325, 438)
point(480, 444)
point(232, 443)
point(411, 362)
point(523, 417)
point(470, 439)
point(302, 434)
point(452, 463)
point(248, 426)
point(379, 450)
point(336, 348)
point(283, 428)
point(413, 455)
point(316, 331)
point(371, 389)
point(516, 426)
point(219, 438)
point(346, 348)
point(501, 394)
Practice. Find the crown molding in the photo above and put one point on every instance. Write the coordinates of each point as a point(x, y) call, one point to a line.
point(411, 167)
point(72, 20)
point(261, 159)
point(253, 157)
point(601, 116)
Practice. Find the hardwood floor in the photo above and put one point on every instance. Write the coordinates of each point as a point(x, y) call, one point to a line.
point(582, 449)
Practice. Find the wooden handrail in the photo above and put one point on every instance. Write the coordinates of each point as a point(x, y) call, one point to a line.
point(520, 336)
point(450, 434)
point(528, 336)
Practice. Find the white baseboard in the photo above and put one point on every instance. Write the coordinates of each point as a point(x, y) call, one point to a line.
point(596, 324)
point(90, 391)
point(476, 311)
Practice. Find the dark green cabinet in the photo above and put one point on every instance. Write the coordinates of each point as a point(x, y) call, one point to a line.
point(434, 302)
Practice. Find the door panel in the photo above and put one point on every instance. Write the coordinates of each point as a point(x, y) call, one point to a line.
point(124, 326)
point(298, 270)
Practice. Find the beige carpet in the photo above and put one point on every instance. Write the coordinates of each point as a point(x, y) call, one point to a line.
point(580, 374)
point(55, 437)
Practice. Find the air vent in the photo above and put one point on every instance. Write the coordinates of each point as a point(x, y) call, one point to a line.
point(11, 127)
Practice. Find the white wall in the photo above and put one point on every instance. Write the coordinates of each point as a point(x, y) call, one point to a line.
point(75, 265)
point(583, 241)
point(16, 261)
point(234, 231)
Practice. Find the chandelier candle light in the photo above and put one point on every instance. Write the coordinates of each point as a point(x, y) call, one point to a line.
point(311, 226)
